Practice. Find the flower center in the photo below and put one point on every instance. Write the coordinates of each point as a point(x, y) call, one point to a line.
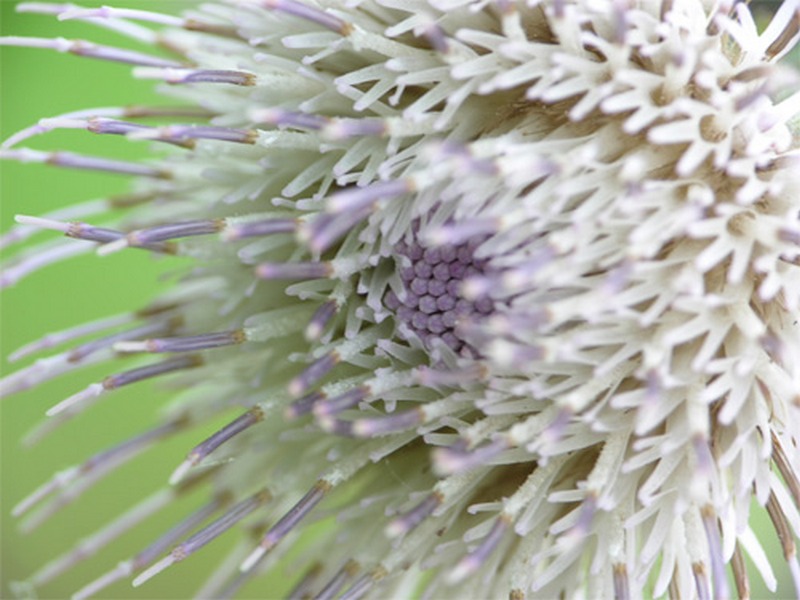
point(431, 306)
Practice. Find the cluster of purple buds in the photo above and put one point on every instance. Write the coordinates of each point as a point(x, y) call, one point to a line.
point(432, 305)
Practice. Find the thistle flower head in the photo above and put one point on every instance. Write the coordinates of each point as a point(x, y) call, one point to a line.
point(509, 288)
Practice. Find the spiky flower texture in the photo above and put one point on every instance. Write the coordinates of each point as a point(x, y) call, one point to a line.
point(504, 292)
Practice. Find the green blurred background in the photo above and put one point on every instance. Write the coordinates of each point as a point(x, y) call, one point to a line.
point(40, 83)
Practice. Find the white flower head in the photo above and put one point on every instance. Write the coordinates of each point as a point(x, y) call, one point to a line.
point(511, 288)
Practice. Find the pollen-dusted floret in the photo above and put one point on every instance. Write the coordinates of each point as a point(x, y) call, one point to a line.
point(511, 288)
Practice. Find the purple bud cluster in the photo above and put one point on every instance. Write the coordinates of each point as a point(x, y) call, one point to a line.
point(431, 305)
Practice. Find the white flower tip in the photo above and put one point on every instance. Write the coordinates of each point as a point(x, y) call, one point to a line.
point(165, 562)
point(168, 74)
point(20, 508)
point(18, 354)
point(252, 559)
point(395, 529)
point(42, 223)
point(35, 7)
point(295, 387)
point(140, 346)
point(60, 407)
point(149, 134)
point(312, 332)
point(91, 391)
point(179, 473)
point(22, 589)
point(62, 123)
point(24, 155)
point(80, 595)
point(16, 138)
point(325, 422)
point(112, 247)
point(79, 13)
point(461, 571)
